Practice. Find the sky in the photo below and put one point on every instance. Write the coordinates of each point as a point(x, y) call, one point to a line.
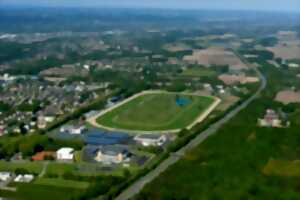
point(269, 5)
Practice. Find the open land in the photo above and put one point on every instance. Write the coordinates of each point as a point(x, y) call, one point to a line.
point(177, 47)
point(286, 52)
point(288, 96)
point(200, 72)
point(233, 79)
point(216, 56)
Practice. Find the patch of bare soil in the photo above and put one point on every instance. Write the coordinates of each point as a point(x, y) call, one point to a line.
point(215, 56)
point(286, 52)
point(288, 96)
point(229, 79)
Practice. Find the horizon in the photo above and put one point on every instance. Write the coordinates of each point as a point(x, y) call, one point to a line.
point(254, 5)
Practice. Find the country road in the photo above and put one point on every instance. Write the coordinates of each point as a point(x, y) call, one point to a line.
point(136, 187)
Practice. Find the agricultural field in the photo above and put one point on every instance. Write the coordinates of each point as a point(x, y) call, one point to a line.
point(288, 46)
point(157, 112)
point(288, 96)
point(286, 52)
point(216, 56)
point(242, 161)
point(62, 183)
point(200, 72)
point(48, 189)
point(31, 167)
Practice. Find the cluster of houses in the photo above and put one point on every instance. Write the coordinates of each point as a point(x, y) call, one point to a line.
point(101, 146)
point(66, 71)
point(218, 89)
point(35, 103)
point(62, 154)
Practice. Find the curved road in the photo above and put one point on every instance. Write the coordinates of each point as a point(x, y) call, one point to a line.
point(136, 187)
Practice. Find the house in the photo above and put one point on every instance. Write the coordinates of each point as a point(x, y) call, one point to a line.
point(27, 178)
point(151, 139)
point(43, 156)
point(2, 130)
point(17, 157)
point(73, 130)
point(271, 119)
point(112, 154)
point(5, 176)
point(51, 112)
point(41, 122)
point(66, 154)
point(208, 87)
point(91, 114)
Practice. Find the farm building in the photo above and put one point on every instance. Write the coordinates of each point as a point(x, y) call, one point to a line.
point(151, 139)
point(65, 153)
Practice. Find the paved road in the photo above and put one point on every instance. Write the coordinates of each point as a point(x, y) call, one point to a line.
point(140, 183)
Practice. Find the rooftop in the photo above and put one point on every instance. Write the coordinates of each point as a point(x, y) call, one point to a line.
point(65, 150)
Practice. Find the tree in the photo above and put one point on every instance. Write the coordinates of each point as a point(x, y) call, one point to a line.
point(126, 173)
point(290, 108)
point(38, 148)
point(21, 171)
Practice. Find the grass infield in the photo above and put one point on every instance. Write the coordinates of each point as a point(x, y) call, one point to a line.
point(156, 112)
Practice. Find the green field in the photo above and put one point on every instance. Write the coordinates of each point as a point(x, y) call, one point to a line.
point(199, 72)
point(32, 191)
point(155, 112)
point(58, 182)
point(31, 167)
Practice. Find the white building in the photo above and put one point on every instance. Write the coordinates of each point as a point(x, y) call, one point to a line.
point(27, 178)
point(151, 139)
point(5, 176)
point(112, 154)
point(271, 119)
point(74, 130)
point(41, 123)
point(7, 77)
point(293, 65)
point(87, 67)
point(49, 118)
point(65, 153)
